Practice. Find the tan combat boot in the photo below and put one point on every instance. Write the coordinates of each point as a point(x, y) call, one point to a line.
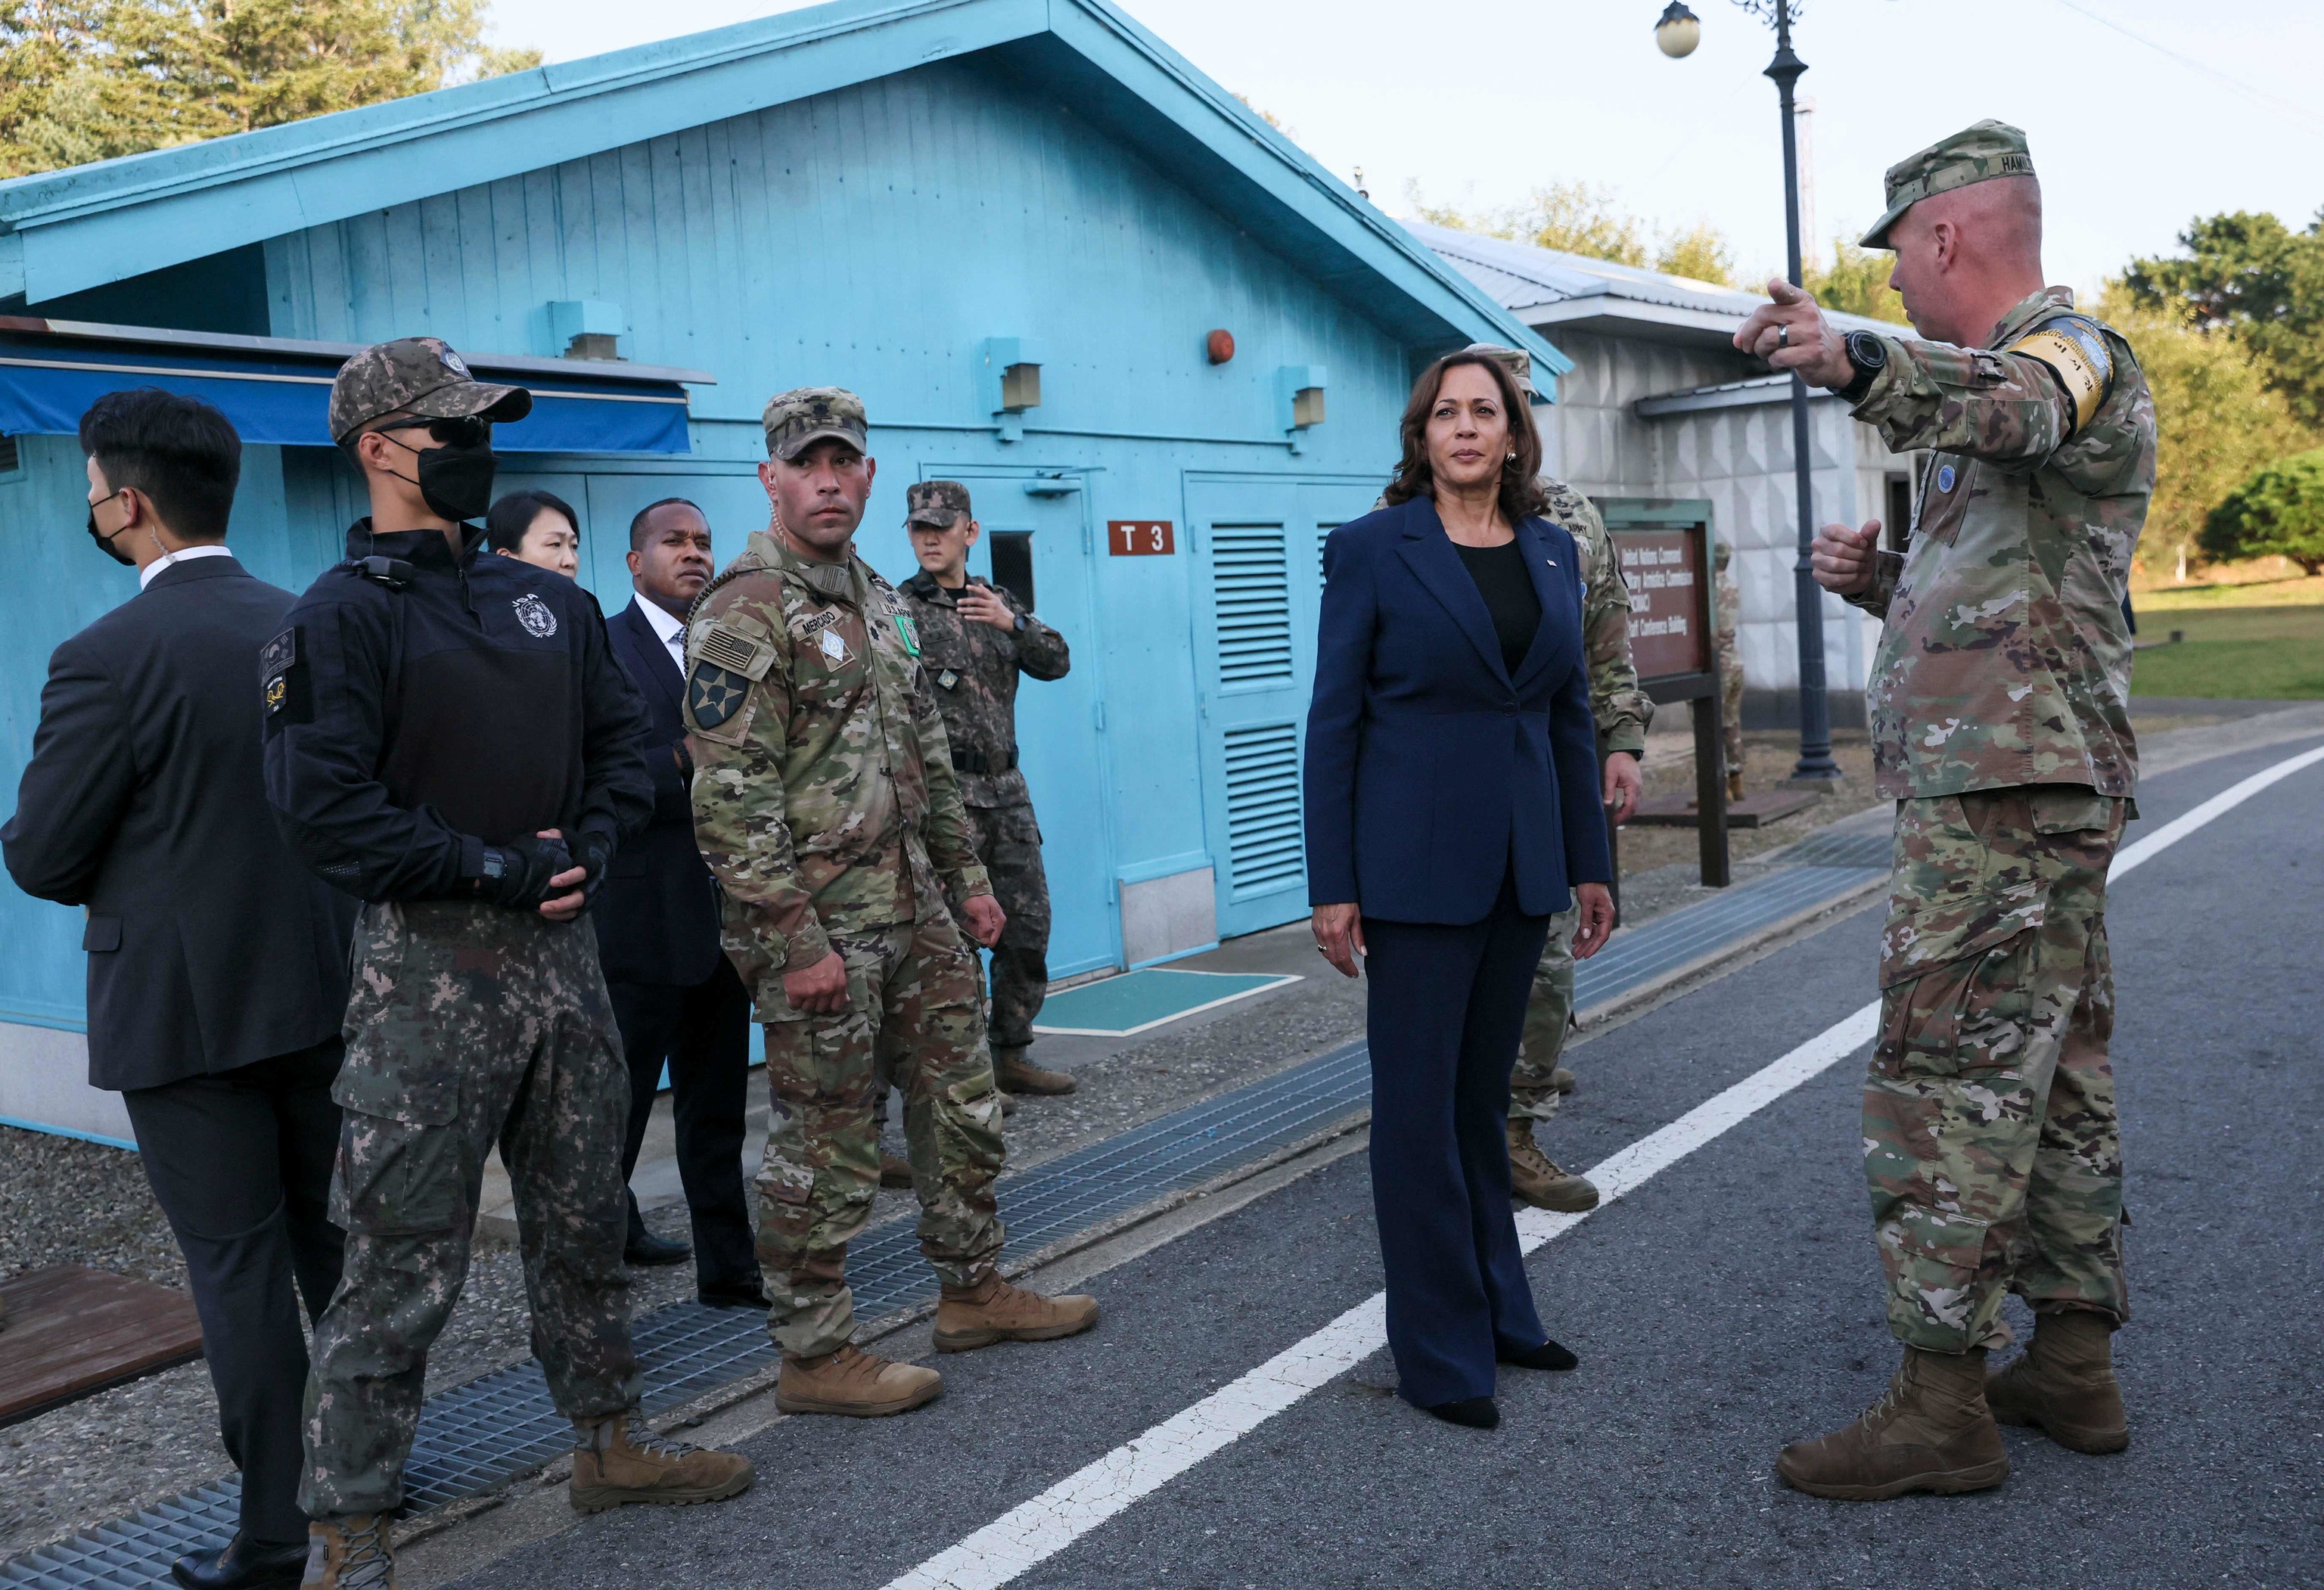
point(1562, 1080)
point(1735, 784)
point(1535, 1179)
point(1016, 1074)
point(349, 1554)
point(853, 1385)
point(2063, 1384)
point(617, 1460)
point(993, 1311)
point(1930, 1431)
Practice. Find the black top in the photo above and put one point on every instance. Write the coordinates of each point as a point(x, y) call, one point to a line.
point(210, 946)
point(474, 701)
point(658, 917)
point(1510, 596)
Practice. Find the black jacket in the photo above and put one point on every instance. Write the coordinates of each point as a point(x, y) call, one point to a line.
point(209, 947)
point(410, 726)
point(658, 917)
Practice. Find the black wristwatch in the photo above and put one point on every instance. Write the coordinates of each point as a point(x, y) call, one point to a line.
point(1019, 628)
point(1867, 355)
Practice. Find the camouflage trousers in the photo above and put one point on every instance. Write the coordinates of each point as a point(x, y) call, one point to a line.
point(1008, 843)
point(1548, 1017)
point(1730, 708)
point(1990, 1138)
point(469, 1025)
point(915, 1019)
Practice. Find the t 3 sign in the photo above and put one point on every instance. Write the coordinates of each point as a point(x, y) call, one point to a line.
point(1140, 538)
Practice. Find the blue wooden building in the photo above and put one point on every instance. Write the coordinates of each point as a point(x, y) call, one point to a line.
point(1012, 225)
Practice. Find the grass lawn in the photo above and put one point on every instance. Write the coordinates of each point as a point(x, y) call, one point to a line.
point(2298, 590)
point(2274, 653)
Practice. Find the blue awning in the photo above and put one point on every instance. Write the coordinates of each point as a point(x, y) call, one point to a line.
point(47, 384)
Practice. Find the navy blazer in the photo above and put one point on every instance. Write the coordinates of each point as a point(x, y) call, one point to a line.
point(1430, 772)
point(657, 916)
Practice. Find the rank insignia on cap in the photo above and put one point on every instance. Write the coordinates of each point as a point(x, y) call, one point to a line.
point(714, 695)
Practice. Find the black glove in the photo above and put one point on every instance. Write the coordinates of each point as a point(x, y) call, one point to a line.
point(595, 851)
point(517, 874)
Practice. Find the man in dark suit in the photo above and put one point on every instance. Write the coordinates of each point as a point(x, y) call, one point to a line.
point(677, 999)
point(217, 964)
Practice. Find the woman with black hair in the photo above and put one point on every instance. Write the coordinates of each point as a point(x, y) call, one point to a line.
point(1453, 808)
point(537, 527)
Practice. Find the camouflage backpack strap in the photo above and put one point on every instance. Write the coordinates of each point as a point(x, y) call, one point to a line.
point(2073, 347)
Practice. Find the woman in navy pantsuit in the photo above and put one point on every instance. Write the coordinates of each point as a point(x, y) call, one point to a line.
point(1452, 795)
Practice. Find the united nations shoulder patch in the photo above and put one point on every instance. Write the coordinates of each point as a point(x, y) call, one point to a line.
point(539, 620)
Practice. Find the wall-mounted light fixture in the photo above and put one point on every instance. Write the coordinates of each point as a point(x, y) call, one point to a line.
point(579, 328)
point(1008, 382)
point(1219, 345)
point(1299, 400)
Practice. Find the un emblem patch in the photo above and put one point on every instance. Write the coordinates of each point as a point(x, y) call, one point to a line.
point(539, 620)
point(714, 695)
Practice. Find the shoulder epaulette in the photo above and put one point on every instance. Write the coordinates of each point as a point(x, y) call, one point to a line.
point(2074, 348)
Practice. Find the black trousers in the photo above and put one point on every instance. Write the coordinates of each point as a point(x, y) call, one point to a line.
point(241, 1163)
point(1445, 1007)
point(703, 1033)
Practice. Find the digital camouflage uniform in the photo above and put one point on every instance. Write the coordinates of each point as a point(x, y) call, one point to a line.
point(825, 801)
point(1999, 711)
point(1622, 712)
point(974, 668)
point(425, 707)
point(1727, 613)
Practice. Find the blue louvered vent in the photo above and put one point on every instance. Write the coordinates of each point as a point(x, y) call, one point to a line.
point(1251, 591)
point(1263, 836)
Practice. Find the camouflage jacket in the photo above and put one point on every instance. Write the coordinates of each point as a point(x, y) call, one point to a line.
point(2004, 656)
point(824, 797)
point(973, 667)
point(1621, 709)
point(1726, 615)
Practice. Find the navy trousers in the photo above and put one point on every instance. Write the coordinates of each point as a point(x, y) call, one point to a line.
point(1445, 1009)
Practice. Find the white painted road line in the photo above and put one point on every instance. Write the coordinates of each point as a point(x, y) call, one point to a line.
point(1039, 1528)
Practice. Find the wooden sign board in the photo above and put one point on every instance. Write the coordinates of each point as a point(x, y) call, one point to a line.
point(1140, 538)
point(1668, 636)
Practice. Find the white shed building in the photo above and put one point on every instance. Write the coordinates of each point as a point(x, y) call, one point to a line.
point(1659, 404)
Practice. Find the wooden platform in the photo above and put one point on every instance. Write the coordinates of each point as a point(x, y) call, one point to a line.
point(72, 1330)
point(1755, 810)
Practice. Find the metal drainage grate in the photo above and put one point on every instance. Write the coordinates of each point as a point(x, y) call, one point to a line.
point(475, 1435)
point(1869, 851)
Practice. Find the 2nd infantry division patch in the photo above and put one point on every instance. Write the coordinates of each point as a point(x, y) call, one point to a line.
point(714, 695)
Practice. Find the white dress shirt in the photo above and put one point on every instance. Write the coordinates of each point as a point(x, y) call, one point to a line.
point(184, 555)
point(671, 630)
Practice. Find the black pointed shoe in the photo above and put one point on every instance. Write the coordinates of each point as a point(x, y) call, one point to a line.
point(1548, 1356)
point(242, 1564)
point(1470, 1412)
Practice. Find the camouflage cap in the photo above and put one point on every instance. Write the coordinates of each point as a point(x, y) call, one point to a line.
point(941, 503)
point(416, 375)
point(1516, 360)
point(1975, 153)
point(806, 414)
point(1720, 555)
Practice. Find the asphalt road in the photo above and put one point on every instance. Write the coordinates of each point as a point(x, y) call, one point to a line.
point(1728, 1306)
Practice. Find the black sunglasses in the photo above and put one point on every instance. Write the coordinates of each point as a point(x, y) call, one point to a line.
point(471, 430)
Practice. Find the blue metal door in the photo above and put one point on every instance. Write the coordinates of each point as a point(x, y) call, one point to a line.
point(1258, 548)
point(1059, 739)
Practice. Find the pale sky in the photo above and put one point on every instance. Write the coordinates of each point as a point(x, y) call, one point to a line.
point(1480, 103)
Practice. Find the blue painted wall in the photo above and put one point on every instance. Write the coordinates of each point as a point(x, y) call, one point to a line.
point(872, 237)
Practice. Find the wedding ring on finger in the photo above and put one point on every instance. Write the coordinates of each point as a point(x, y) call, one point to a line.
point(1783, 336)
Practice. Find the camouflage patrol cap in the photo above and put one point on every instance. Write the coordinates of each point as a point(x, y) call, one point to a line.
point(416, 375)
point(806, 414)
point(1720, 555)
point(1976, 153)
point(941, 503)
point(1516, 360)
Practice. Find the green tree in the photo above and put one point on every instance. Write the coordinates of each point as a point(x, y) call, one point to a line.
point(89, 80)
point(1576, 218)
point(2217, 419)
point(2256, 278)
point(2277, 512)
point(1700, 253)
point(1856, 283)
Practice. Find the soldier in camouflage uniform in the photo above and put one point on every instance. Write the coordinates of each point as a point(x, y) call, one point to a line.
point(1728, 613)
point(825, 801)
point(1999, 710)
point(449, 739)
point(1622, 712)
point(975, 640)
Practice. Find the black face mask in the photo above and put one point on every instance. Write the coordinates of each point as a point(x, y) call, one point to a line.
point(457, 481)
point(106, 543)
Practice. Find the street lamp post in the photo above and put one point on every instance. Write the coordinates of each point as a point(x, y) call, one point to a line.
point(1676, 34)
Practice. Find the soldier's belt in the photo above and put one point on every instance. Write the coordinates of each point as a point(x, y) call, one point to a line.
point(968, 761)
